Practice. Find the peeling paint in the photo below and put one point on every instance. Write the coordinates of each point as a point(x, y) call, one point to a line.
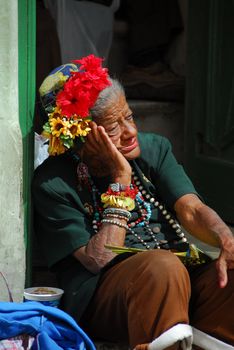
point(12, 249)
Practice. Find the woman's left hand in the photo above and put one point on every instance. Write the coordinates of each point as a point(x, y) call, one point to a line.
point(225, 260)
point(205, 224)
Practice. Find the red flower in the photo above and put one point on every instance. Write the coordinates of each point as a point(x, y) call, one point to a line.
point(81, 90)
point(74, 101)
point(89, 63)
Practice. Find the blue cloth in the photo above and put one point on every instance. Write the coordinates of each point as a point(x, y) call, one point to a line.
point(53, 328)
point(53, 83)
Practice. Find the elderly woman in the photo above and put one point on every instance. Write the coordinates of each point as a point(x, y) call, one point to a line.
point(106, 214)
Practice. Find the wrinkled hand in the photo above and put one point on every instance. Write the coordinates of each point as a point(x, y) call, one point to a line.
point(101, 153)
point(225, 261)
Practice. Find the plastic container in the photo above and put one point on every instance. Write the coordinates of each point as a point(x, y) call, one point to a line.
point(49, 296)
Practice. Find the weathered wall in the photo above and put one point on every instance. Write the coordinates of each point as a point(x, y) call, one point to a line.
point(164, 118)
point(12, 250)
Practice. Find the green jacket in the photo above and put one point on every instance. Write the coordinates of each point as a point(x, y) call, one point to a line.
point(62, 212)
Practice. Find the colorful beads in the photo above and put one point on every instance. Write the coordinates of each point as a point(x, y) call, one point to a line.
point(164, 212)
point(144, 201)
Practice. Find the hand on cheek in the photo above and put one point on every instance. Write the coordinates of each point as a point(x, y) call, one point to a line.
point(100, 151)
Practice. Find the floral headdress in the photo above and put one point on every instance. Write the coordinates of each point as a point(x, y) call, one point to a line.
point(67, 95)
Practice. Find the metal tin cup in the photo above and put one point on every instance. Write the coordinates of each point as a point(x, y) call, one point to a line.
point(49, 296)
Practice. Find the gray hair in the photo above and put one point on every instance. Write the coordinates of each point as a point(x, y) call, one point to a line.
point(106, 98)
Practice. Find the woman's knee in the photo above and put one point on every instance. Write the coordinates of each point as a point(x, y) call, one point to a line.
point(162, 266)
point(163, 260)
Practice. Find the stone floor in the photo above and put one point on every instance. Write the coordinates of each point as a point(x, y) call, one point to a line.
point(110, 346)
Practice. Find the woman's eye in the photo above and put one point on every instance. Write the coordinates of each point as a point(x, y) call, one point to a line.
point(130, 117)
point(114, 128)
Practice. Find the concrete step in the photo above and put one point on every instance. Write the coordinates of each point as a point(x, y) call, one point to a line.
point(103, 345)
point(164, 118)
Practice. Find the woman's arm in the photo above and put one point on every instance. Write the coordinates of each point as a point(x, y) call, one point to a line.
point(94, 255)
point(99, 150)
point(205, 224)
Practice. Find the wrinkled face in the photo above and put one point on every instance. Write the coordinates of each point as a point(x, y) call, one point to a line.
point(119, 125)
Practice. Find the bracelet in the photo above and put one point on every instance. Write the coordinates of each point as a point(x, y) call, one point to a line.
point(117, 189)
point(120, 196)
point(115, 222)
point(117, 216)
point(123, 212)
point(123, 202)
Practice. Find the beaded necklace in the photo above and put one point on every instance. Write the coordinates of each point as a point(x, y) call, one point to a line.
point(144, 202)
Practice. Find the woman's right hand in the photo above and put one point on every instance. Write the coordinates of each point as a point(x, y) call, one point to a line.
point(103, 157)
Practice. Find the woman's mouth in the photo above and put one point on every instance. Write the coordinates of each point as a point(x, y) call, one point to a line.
point(131, 145)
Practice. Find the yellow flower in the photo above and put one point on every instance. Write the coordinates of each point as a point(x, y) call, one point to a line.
point(78, 128)
point(46, 134)
point(74, 130)
point(61, 131)
point(84, 128)
point(56, 113)
point(56, 146)
point(58, 126)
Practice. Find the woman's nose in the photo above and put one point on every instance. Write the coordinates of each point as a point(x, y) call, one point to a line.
point(128, 130)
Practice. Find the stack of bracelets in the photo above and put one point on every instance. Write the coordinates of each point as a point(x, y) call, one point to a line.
point(118, 201)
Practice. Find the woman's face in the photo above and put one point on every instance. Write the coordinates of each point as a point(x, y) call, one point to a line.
point(119, 125)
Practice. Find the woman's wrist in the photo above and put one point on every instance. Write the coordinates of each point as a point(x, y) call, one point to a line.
point(119, 195)
point(123, 179)
point(112, 221)
point(224, 238)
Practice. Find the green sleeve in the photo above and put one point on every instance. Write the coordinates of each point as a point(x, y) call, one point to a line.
point(61, 223)
point(168, 177)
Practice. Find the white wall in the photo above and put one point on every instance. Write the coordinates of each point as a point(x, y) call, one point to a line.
point(12, 249)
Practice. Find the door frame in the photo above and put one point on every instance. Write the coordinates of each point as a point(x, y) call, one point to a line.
point(26, 87)
point(205, 168)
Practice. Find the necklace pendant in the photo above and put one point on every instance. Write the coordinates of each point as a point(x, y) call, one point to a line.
point(83, 175)
point(156, 229)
